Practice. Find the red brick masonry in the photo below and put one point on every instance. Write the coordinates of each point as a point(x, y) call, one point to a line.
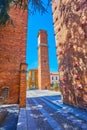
point(12, 54)
point(43, 61)
point(70, 24)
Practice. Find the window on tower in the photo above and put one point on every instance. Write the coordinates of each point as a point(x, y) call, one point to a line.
point(32, 78)
point(56, 78)
point(33, 73)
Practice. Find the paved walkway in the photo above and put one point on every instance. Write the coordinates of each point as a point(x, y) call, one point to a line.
point(10, 122)
point(45, 111)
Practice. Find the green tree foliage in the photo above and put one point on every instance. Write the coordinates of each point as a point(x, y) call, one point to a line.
point(36, 5)
point(4, 7)
point(55, 85)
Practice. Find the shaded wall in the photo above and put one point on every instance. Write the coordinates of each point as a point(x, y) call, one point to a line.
point(70, 24)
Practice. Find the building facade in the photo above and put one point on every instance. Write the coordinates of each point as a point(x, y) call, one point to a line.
point(70, 25)
point(32, 78)
point(13, 58)
point(54, 78)
point(43, 61)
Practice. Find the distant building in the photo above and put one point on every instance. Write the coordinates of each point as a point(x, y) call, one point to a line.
point(32, 78)
point(54, 78)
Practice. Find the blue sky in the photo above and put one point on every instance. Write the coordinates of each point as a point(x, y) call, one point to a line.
point(35, 23)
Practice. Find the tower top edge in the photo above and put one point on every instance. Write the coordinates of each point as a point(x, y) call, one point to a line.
point(41, 31)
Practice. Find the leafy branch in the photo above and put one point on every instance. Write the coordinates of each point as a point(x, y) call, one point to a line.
point(35, 5)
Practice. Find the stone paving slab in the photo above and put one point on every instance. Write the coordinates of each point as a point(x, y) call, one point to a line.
point(22, 120)
point(67, 115)
point(10, 121)
point(28, 118)
point(40, 120)
point(39, 93)
point(82, 114)
point(54, 125)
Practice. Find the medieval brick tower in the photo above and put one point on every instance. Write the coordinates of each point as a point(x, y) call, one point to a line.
point(43, 62)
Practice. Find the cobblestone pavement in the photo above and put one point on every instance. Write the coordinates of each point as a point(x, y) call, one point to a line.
point(45, 111)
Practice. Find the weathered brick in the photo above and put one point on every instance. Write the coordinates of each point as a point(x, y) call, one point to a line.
point(70, 25)
point(43, 61)
point(13, 53)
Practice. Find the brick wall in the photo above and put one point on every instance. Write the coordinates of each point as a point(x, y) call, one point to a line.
point(43, 61)
point(13, 53)
point(70, 24)
point(23, 85)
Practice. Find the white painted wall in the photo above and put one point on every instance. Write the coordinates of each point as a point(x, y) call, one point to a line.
point(54, 78)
